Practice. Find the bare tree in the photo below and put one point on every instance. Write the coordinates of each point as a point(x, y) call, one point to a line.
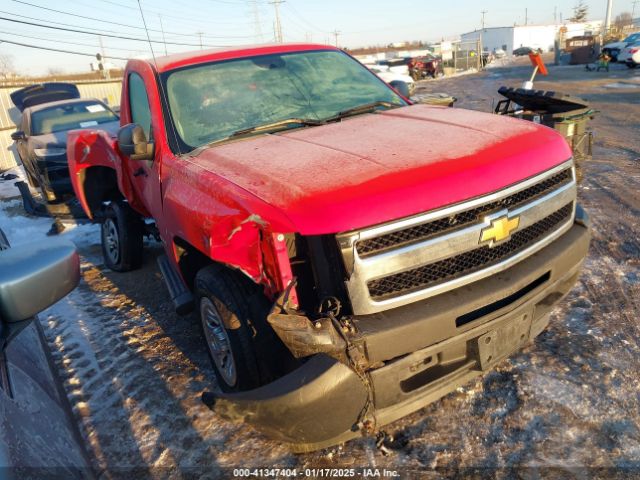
point(580, 12)
point(54, 71)
point(623, 20)
point(6, 66)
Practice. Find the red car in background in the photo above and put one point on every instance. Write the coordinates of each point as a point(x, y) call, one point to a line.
point(423, 67)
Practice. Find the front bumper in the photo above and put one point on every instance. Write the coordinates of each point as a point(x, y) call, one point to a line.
point(54, 172)
point(417, 353)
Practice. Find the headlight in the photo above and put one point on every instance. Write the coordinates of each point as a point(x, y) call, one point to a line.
point(49, 152)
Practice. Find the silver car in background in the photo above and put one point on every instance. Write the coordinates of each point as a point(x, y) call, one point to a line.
point(38, 434)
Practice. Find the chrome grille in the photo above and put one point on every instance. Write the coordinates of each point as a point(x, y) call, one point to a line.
point(460, 220)
point(468, 262)
point(417, 257)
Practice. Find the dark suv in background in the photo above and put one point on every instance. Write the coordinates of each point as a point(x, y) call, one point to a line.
point(49, 111)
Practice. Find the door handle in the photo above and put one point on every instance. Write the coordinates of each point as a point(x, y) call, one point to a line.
point(139, 172)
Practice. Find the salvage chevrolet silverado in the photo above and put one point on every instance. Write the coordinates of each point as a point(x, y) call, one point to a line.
point(352, 256)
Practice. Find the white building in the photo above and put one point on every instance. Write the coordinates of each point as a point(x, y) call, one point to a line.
point(534, 36)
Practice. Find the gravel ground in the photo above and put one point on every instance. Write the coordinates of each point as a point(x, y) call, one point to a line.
point(567, 406)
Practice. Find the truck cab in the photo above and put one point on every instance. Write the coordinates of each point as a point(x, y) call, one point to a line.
point(352, 256)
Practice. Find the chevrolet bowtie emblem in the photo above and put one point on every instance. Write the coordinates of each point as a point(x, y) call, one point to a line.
point(499, 230)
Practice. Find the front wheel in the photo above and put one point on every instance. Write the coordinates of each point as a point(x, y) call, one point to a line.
point(122, 235)
point(244, 350)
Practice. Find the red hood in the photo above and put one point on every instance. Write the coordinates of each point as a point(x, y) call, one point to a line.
point(378, 167)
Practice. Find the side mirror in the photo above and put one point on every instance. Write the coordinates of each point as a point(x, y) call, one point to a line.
point(401, 87)
point(35, 276)
point(133, 143)
point(18, 135)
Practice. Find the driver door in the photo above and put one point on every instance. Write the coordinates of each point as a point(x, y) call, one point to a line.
point(144, 174)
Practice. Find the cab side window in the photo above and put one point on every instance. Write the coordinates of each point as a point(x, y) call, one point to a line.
point(139, 104)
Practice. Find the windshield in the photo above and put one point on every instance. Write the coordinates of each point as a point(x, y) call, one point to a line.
point(70, 116)
point(632, 38)
point(209, 102)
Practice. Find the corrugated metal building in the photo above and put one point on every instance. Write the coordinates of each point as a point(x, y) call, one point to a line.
point(534, 36)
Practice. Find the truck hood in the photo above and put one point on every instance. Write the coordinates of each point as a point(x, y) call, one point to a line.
point(379, 167)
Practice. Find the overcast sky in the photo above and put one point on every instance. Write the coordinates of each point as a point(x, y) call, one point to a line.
point(236, 22)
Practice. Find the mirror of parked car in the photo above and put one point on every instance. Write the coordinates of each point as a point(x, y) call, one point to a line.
point(133, 142)
point(401, 87)
point(35, 276)
point(18, 135)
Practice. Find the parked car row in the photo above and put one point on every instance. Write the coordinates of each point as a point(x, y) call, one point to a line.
point(390, 76)
point(613, 49)
point(630, 55)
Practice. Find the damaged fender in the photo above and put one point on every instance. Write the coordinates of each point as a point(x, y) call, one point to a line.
point(95, 148)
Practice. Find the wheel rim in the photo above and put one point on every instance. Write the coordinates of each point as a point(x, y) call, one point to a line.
point(218, 341)
point(111, 240)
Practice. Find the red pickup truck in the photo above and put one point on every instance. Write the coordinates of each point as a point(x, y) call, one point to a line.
point(352, 256)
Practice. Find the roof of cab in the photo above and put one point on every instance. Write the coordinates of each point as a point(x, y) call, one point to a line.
point(178, 60)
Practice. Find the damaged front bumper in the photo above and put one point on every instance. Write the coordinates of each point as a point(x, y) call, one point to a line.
point(407, 357)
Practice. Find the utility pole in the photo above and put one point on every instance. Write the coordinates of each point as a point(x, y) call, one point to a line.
point(164, 39)
point(555, 15)
point(200, 37)
point(633, 11)
point(607, 21)
point(278, 25)
point(256, 22)
point(102, 60)
point(526, 16)
point(483, 12)
point(336, 34)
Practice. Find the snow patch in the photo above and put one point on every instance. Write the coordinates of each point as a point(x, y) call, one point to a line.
point(622, 85)
point(21, 228)
point(7, 187)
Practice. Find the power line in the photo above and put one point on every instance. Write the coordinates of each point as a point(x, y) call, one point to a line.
point(68, 42)
point(164, 12)
point(103, 34)
point(84, 17)
point(2, 40)
point(297, 14)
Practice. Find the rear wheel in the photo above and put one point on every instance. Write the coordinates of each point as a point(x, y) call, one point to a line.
point(122, 235)
point(244, 350)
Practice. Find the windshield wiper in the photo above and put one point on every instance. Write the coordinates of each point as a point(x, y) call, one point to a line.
point(279, 123)
point(367, 107)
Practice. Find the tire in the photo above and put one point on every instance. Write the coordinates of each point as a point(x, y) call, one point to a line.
point(631, 64)
point(122, 233)
point(244, 350)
